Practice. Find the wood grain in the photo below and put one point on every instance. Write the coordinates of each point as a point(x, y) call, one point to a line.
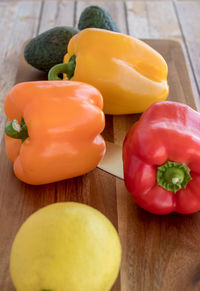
point(152, 20)
point(159, 253)
point(155, 19)
point(188, 13)
point(18, 22)
point(56, 13)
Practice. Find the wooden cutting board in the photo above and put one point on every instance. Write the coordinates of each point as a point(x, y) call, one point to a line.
point(159, 252)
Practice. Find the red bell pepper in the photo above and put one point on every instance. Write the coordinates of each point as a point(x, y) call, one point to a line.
point(161, 157)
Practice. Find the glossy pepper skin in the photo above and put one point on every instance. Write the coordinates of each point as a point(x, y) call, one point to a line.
point(64, 121)
point(167, 131)
point(129, 73)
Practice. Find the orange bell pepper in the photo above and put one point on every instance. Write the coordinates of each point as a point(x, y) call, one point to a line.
point(53, 130)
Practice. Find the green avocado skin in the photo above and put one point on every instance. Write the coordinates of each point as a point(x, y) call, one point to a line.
point(97, 17)
point(48, 48)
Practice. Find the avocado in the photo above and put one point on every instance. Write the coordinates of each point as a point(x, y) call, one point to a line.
point(98, 17)
point(48, 48)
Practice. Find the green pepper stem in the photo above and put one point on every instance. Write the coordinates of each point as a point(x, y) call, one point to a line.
point(67, 69)
point(15, 130)
point(173, 176)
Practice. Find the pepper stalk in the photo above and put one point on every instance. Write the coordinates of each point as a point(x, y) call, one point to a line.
point(67, 69)
point(17, 130)
point(173, 176)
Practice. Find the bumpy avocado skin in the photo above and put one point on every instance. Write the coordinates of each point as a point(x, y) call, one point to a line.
point(98, 17)
point(48, 48)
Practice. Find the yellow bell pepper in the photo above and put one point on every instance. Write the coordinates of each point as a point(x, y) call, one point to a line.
point(129, 73)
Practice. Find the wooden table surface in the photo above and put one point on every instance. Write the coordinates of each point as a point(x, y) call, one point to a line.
point(167, 19)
